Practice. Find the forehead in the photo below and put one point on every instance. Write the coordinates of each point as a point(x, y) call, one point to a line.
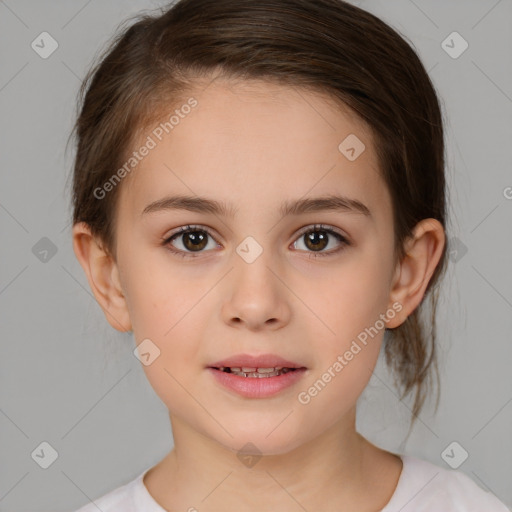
point(253, 144)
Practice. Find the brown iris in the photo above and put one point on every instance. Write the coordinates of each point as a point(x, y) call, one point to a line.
point(193, 240)
point(316, 240)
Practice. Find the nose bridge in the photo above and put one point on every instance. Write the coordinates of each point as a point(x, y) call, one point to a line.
point(256, 295)
point(252, 261)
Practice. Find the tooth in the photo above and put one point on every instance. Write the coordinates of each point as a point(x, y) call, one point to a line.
point(258, 375)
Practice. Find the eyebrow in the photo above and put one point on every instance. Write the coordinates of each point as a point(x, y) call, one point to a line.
point(199, 204)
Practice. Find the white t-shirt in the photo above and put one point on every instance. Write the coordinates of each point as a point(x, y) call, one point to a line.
point(422, 487)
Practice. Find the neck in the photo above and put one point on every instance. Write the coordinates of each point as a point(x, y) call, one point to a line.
point(326, 473)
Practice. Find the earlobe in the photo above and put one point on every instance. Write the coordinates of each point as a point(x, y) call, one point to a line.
point(423, 252)
point(103, 276)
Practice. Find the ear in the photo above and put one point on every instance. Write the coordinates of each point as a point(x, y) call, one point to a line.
point(103, 276)
point(412, 275)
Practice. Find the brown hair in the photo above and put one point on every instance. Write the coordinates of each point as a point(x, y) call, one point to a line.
point(328, 46)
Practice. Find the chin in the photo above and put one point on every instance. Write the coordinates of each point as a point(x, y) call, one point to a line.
point(254, 440)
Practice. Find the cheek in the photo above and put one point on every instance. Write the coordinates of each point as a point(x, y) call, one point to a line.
point(160, 296)
point(354, 294)
point(167, 309)
point(346, 358)
point(172, 316)
point(170, 303)
point(352, 304)
point(334, 390)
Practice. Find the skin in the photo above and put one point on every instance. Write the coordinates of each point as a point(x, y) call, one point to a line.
point(254, 145)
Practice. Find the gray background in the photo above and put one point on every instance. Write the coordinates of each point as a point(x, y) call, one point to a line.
point(69, 379)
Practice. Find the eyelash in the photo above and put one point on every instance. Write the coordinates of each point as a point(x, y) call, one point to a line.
point(312, 254)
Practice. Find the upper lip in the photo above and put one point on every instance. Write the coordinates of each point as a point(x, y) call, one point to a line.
point(261, 361)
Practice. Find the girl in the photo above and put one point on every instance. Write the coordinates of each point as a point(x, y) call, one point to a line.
point(259, 196)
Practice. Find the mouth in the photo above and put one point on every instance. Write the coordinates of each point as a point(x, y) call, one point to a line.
point(256, 376)
point(256, 373)
point(263, 364)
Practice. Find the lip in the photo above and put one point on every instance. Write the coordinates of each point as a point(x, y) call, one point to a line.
point(260, 361)
point(253, 387)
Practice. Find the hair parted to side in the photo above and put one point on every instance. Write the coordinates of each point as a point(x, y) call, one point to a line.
point(327, 46)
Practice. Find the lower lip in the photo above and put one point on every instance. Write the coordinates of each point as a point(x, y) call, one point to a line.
point(255, 387)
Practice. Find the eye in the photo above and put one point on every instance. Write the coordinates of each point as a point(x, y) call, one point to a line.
point(188, 240)
point(317, 238)
point(193, 239)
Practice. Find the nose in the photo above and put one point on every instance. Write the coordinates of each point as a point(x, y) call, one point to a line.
point(257, 297)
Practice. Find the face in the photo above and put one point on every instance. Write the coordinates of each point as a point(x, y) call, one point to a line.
point(254, 280)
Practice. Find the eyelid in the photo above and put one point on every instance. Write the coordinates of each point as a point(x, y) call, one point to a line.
point(190, 227)
point(343, 240)
point(326, 227)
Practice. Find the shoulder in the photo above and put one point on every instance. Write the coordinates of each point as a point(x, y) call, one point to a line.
point(425, 487)
point(125, 498)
